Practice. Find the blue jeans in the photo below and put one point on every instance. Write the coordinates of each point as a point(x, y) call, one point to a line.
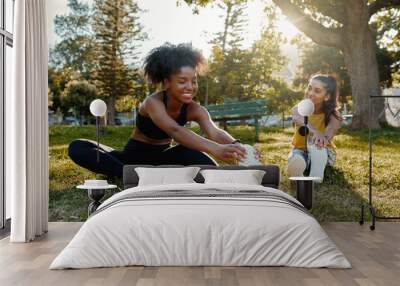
point(316, 159)
point(302, 154)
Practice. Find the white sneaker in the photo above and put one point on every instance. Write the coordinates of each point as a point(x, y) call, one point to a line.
point(296, 166)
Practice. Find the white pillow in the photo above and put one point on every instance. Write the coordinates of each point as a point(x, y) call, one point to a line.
point(165, 176)
point(248, 177)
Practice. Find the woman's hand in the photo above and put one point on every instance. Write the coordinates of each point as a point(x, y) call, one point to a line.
point(319, 140)
point(229, 153)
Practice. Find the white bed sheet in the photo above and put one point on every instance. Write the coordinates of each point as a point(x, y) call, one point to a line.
point(200, 231)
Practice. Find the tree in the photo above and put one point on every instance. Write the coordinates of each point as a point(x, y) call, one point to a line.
point(343, 25)
point(118, 33)
point(76, 49)
point(386, 27)
point(265, 59)
point(247, 73)
point(77, 95)
point(140, 90)
point(228, 41)
point(58, 80)
point(234, 21)
point(226, 75)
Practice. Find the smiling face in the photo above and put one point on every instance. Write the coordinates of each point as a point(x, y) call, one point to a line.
point(183, 84)
point(316, 91)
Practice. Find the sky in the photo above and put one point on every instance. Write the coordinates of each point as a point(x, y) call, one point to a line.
point(164, 21)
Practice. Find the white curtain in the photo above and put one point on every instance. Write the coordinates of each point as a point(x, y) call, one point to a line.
point(27, 124)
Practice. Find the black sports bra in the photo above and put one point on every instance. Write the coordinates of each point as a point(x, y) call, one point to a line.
point(148, 128)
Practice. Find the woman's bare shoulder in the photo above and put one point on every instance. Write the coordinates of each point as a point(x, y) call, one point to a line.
point(153, 98)
point(150, 101)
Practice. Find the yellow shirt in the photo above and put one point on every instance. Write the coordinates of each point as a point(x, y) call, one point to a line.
point(317, 121)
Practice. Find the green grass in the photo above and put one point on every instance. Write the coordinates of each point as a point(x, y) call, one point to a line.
point(337, 199)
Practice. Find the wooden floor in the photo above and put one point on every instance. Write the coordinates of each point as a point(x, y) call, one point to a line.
point(374, 255)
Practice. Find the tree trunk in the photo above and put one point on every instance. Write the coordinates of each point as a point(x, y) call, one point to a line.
point(111, 110)
point(360, 58)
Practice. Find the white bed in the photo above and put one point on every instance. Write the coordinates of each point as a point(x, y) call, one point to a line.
point(250, 225)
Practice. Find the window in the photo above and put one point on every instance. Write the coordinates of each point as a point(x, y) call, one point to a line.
point(6, 44)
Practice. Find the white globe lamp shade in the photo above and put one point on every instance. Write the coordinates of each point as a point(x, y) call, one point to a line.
point(98, 107)
point(306, 107)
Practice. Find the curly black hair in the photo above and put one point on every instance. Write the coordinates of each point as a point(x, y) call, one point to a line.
point(163, 61)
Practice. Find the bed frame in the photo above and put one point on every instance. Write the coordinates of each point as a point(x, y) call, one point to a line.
point(270, 179)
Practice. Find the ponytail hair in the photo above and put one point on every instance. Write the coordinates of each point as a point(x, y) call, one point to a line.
point(332, 105)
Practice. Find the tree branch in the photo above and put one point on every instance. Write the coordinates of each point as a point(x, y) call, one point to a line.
point(382, 4)
point(317, 32)
point(334, 13)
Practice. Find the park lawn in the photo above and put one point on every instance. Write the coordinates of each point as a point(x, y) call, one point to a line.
point(338, 198)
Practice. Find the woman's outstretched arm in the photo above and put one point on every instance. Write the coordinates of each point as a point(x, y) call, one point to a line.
point(188, 138)
point(213, 132)
point(332, 128)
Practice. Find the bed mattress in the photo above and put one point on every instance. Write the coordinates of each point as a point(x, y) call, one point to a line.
point(201, 225)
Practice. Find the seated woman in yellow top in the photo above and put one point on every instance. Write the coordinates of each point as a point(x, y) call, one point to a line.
point(323, 124)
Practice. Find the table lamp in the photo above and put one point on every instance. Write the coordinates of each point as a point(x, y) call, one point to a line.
point(305, 108)
point(98, 108)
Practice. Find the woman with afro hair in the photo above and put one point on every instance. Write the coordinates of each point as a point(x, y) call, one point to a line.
point(161, 119)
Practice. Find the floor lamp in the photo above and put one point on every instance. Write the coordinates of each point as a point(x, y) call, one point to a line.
point(98, 108)
point(304, 185)
point(96, 188)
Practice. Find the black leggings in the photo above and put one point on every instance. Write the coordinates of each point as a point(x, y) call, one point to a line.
point(84, 153)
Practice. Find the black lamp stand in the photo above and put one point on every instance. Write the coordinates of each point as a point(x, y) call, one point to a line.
point(304, 131)
point(371, 208)
point(97, 136)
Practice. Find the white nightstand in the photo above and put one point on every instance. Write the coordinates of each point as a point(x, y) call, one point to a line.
point(304, 190)
point(95, 193)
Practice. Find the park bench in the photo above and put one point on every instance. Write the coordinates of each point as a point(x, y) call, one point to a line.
point(239, 110)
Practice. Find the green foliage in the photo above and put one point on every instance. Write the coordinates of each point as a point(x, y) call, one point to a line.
point(326, 12)
point(57, 81)
point(125, 103)
point(244, 74)
point(345, 186)
point(76, 49)
point(282, 98)
point(265, 59)
point(77, 95)
point(387, 24)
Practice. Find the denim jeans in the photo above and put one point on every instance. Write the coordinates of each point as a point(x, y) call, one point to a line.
point(316, 159)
